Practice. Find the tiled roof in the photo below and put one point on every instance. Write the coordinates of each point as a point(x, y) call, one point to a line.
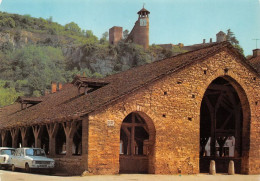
point(143, 10)
point(68, 104)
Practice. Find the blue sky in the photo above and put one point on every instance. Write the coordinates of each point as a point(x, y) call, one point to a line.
point(171, 21)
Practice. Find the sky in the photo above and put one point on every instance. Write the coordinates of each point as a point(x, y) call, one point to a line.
point(171, 21)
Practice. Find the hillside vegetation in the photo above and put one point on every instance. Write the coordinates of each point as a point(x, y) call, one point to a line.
point(36, 51)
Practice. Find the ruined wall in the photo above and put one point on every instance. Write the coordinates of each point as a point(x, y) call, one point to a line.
point(173, 103)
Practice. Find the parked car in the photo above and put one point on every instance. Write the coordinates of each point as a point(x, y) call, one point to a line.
point(29, 158)
point(5, 156)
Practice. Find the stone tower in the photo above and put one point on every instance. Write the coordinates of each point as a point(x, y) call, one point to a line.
point(221, 36)
point(140, 32)
point(115, 34)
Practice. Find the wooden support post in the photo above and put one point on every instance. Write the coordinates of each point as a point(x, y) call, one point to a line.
point(37, 131)
point(52, 131)
point(69, 129)
point(238, 150)
point(24, 136)
point(128, 134)
point(2, 138)
point(133, 135)
point(212, 132)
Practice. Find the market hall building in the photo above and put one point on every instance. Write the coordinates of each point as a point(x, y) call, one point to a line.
point(157, 118)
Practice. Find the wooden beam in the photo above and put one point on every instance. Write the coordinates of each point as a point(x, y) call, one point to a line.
point(133, 124)
point(226, 121)
point(133, 135)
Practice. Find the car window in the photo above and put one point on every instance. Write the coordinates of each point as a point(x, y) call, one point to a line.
point(7, 152)
point(35, 152)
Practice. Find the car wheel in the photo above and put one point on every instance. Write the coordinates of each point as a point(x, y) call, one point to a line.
point(27, 168)
point(13, 168)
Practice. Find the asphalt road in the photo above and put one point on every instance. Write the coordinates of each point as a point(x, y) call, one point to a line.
point(20, 176)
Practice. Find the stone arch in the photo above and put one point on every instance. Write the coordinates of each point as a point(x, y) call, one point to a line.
point(44, 137)
point(137, 139)
point(60, 141)
point(30, 141)
point(19, 142)
point(7, 139)
point(242, 128)
point(77, 139)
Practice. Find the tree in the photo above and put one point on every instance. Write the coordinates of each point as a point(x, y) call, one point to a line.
point(104, 38)
point(91, 37)
point(72, 27)
point(125, 34)
point(231, 38)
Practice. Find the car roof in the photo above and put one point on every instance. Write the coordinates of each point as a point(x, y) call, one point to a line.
point(4, 148)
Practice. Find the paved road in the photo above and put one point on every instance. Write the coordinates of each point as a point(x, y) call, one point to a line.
point(19, 176)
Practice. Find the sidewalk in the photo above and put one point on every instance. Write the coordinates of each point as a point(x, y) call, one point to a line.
point(19, 176)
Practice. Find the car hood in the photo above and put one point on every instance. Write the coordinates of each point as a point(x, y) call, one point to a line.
point(39, 158)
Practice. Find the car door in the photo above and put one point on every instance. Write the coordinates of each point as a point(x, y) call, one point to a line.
point(18, 159)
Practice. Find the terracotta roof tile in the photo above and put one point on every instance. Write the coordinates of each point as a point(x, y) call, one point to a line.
point(68, 104)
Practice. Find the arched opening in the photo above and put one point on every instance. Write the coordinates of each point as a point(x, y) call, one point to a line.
point(45, 140)
point(137, 137)
point(30, 137)
point(224, 119)
point(77, 140)
point(8, 139)
point(19, 139)
point(61, 141)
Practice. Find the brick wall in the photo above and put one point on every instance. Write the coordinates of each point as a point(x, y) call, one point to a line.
point(173, 104)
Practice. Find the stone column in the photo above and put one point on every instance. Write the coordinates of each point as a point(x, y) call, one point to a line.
point(212, 168)
point(231, 168)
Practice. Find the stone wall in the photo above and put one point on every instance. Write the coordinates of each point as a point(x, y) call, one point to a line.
point(173, 104)
point(69, 165)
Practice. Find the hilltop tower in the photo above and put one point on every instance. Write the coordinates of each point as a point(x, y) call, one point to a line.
point(115, 34)
point(140, 32)
point(221, 36)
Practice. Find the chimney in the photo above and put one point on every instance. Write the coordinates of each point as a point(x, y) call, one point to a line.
point(60, 86)
point(204, 41)
point(256, 53)
point(210, 40)
point(53, 87)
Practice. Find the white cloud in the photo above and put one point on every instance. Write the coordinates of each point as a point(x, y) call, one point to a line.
point(1, 1)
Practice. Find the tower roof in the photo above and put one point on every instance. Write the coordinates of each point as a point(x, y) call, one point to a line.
point(221, 33)
point(143, 10)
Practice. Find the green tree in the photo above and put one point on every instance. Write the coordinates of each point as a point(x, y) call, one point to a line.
point(104, 38)
point(233, 40)
point(231, 37)
point(91, 37)
point(7, 94)
point(73, 27)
